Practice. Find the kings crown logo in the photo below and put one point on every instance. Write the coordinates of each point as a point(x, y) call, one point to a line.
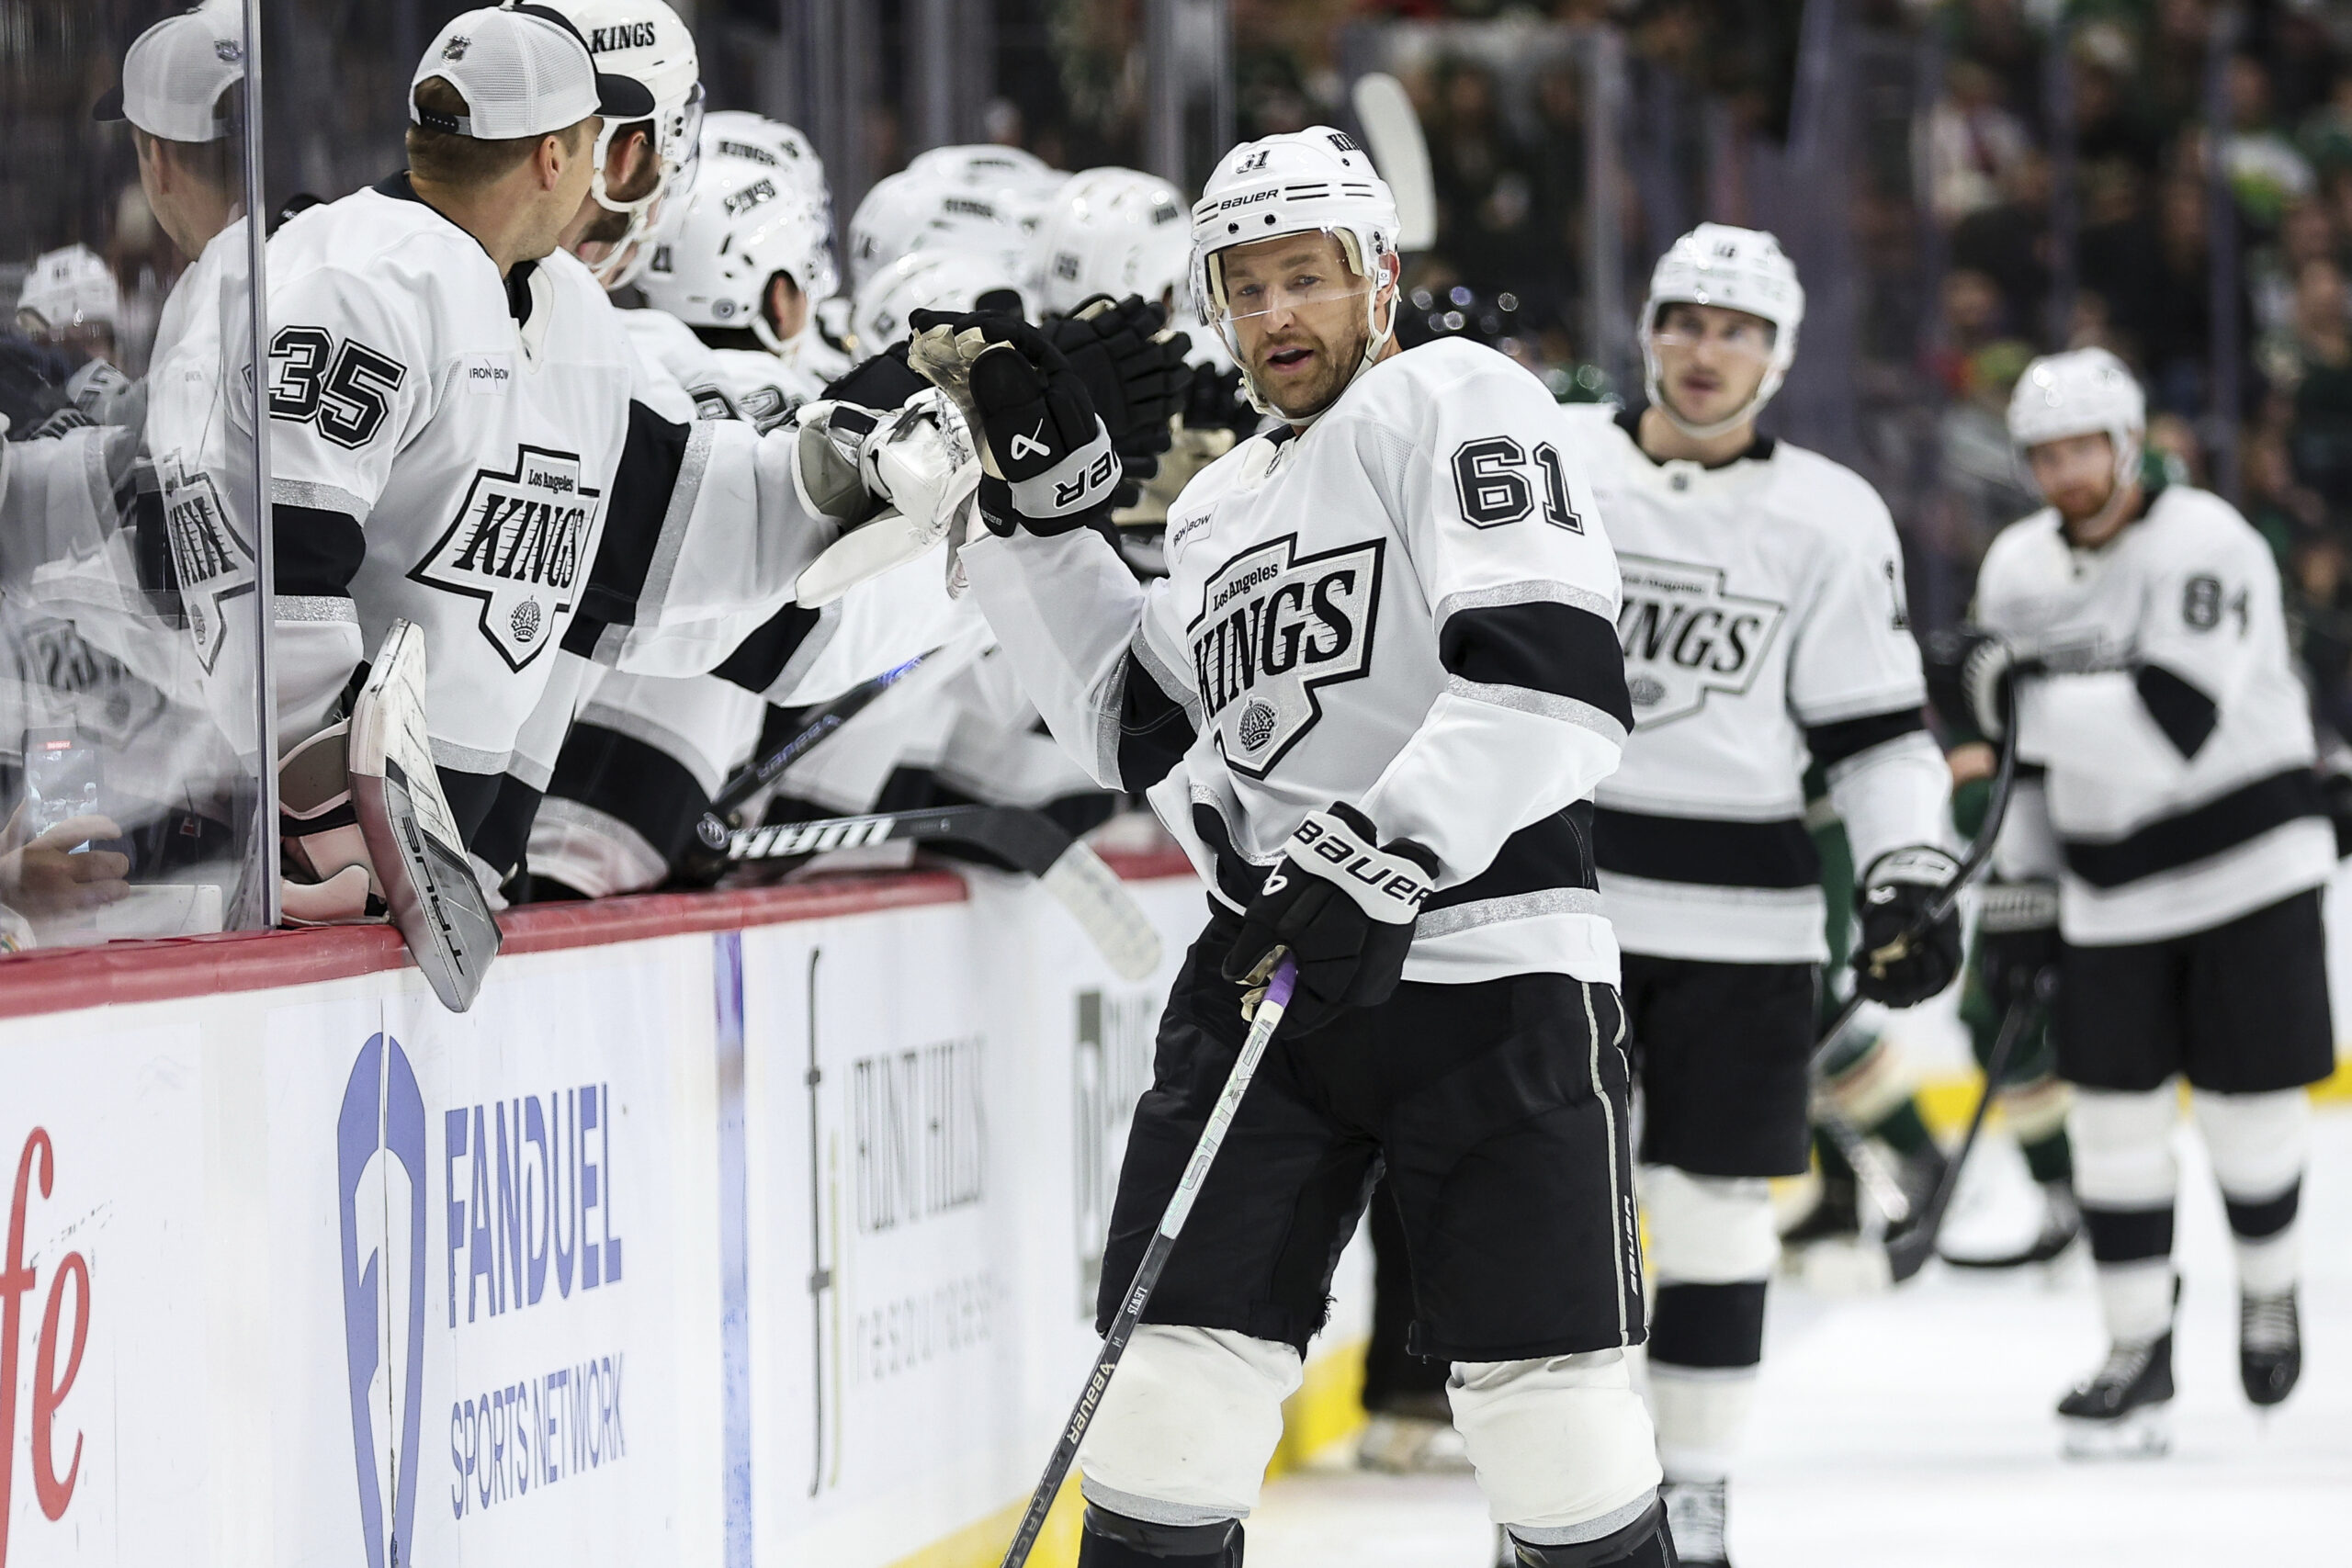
point(1273, 630)
point(516, 545)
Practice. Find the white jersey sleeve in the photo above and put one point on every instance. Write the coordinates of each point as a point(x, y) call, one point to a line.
point(1501, 530)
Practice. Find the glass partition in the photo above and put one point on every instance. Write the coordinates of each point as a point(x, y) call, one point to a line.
point(132, 800)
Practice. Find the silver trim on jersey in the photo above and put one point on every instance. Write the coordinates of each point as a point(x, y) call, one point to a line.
point(582, 837)
point(319, 498)
point(1150, 1510)
point(1586, 1530)
point(314, 607)
point(466, 760)
point(1514, 907)
point(1107, 729)
point(1532, 591)
point(1542, 705)
point(663, 566)
point(804, 658)
point(672, 743)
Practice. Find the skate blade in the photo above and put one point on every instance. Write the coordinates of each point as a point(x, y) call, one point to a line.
point(2145, 1433)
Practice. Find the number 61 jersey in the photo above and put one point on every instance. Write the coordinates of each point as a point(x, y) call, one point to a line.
point(1763, 623)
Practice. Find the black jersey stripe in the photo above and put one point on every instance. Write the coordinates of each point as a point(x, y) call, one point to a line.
point(1544, 856)
point(2185, 715)
point(1541, 646)
point(1154, 729)
point(2210, 829)
point(505, 829)
point(630, 782)
point(759, 660)
point(316, 552)
point(1833, 743)
point(471, 797)
point(634, 512)
point(1707, 851)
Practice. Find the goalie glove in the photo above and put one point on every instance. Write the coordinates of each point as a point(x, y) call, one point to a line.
point(1343, 905)
point(1895, 965)
point(894, 479)
point(1047, 458)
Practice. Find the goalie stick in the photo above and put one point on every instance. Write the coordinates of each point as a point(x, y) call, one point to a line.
point(1155, 1260)
point(1029, 842)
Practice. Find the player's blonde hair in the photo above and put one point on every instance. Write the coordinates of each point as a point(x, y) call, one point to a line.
point(442, 157)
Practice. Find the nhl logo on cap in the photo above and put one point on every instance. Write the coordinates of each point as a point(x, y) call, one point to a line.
point(455, 48)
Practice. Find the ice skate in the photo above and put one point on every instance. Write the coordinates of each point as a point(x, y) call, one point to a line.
point(2124, 1409)
point(2271, 1348)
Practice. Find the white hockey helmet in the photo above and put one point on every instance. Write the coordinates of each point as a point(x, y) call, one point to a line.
point(68, 288)
point(2084, 391)
point(646, 41)
point(926, 280)
point(1114, 232)
point(1293, 183)
point(743, 225)
point(986, 165)
point(925, 211)
point(741, 136)
point(1737, 269)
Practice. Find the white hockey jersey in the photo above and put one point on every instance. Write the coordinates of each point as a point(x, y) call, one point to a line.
point(1409, 606)
point(2179, 792)
point(718, 383)
point(473, 454)
point(1763, 623)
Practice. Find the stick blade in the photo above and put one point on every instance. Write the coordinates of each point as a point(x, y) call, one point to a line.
point(1105, 910)
point(1401, 153)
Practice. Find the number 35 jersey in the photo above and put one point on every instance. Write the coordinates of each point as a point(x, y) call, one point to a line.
point(1762, 624)
point(1405, 606)
point(2179, 792)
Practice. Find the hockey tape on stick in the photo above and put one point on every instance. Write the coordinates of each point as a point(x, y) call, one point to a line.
point(1029, 842)
point(1401, 152)
point(1279, 986)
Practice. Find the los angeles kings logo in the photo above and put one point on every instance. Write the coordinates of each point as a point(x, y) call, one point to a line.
point(516, 545)
point(1686, 635)
point(212, 561)
point(1272, 631)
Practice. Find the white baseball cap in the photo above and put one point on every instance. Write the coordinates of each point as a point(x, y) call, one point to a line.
point(175, 73)
point(524, 71)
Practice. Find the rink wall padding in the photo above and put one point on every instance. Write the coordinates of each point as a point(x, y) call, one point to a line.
point(739, 1230)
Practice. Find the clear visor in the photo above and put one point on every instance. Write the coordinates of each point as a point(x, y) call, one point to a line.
point(1747, 339)
point(1250, 292)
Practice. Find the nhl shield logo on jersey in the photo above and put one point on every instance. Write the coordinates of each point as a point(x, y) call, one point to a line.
point(1270, 632)
point(213, 563)
point(516, 545)
point(1685, 634)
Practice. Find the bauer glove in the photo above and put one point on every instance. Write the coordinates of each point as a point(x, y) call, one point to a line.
point(1897, 964)
point(2017, 940)
point(1134, 369)
point(1343, 906)
point(1047, 458)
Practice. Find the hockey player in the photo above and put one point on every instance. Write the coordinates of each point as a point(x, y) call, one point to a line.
point(1371, 700)
point(70, 299)
point(458, 439)
point(2177, 844)
point(1763, 623)
point(642, 166)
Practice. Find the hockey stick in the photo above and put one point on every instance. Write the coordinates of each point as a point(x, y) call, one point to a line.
point(820, 722)
point(1908, 1253)
point(1401, 152)
point(1155, 1261)
point(1028, 840)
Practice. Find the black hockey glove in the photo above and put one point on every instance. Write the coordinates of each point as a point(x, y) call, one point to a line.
point(1212, 400)
point(1343, 903)
point(1970, 673)
point(1895, 965)
point(2017, 940)
point(1046, 455)
point(1135, 371)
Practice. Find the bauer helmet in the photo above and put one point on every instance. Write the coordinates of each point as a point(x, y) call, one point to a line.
point(1113, 232)
point(741, 136)
point(924, 210)
point(644, 41)
point(955, 281)
point(1737, 269)
point(68, 289)
point(743, 225)
point(1295, 183)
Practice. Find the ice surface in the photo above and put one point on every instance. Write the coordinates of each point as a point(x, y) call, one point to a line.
point(1912, 1430)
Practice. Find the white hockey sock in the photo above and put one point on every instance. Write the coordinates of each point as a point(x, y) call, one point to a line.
point(2259, 1145)
point(1700, 1416)
point(2126, 1179)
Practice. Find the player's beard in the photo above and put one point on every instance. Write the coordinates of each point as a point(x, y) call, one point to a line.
point(1336, 364)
